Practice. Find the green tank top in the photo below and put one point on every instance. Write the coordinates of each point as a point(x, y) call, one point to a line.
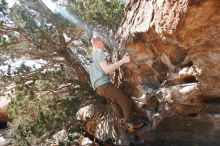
point(97, 75)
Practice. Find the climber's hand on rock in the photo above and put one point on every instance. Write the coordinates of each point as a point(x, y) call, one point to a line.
point(126, 58)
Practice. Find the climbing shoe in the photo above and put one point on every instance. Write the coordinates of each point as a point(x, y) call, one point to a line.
point(135, 126)
point(131, 127)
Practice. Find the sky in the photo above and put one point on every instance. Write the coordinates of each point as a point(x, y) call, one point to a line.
point(11, 2)
point(50, 5)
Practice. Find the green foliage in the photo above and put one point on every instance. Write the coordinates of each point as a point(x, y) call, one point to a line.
point(35, 115)
point(106, 13)
point(3, 7)
point(3, 12)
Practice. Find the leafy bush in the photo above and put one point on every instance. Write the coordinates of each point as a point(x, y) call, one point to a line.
point(102, 12)
point(37, 115)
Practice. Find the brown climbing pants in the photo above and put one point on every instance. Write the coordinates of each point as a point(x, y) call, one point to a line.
point(115, 95)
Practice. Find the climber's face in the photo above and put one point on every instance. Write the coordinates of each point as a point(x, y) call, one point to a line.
point(97, 42)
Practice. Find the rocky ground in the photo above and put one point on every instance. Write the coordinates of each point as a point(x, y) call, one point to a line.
point(5, 136)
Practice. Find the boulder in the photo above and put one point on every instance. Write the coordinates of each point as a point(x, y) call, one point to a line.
point(101, 123)
point(4, 142)
point(175, 52)
point(173, 76)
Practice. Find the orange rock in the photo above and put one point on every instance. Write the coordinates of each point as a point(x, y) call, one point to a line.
point(3, 115)
point(163, 36)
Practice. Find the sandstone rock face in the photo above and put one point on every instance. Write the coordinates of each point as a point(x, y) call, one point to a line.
point(174, 75)
point(175, 51)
